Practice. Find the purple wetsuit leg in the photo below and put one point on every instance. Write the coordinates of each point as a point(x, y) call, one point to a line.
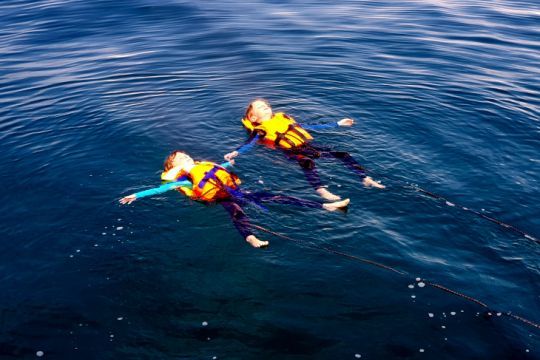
point(265, 197)
point(238, 217)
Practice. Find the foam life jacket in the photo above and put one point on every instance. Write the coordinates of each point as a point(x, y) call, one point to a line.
point(281, 130)
point(210, 181)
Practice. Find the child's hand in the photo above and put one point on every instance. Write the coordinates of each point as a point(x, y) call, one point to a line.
point(346, 122)
point(231, 155)
point(128, 199)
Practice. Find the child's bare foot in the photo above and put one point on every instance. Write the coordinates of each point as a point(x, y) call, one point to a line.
point(327, 195)
point(256, 243)
point(333, 206)
point(368, 182)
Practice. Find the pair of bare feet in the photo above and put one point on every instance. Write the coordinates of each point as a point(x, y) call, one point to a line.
point(332, 206)
point(336, 204)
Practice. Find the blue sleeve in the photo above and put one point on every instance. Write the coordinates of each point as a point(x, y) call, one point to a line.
point(319, 126)
point(248, 144)
point(164, 188)
point(226, 165)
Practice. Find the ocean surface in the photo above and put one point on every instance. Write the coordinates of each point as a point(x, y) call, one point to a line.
point(95, 94)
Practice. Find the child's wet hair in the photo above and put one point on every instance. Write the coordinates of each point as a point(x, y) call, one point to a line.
point(250, 107)
point(168, 164)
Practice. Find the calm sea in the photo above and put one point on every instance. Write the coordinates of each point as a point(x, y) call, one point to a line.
point(95, 94)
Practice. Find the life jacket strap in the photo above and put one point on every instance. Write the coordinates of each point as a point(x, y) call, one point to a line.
point(282, 137)
point(210, 174)
point(293, 128)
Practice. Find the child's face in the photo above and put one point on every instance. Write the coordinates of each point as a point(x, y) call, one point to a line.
point(260, 111)
point(183, 161)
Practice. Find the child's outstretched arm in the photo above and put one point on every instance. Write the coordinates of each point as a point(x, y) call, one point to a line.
point(342, 122)
point(248, 145)
point(154, 191)
point(227, 164)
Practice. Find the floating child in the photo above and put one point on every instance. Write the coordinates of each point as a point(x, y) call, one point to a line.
point(208, 183)
point(281, 131)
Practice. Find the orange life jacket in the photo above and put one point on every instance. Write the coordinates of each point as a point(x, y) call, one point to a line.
point(281, 131)
point(210, 181)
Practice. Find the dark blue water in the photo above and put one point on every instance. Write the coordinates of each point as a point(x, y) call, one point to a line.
point(95, 94)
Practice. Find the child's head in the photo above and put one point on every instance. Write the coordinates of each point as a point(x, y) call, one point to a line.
point(259, 110)
point(178, 159)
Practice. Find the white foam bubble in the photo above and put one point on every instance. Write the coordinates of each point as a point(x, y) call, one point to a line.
point(410, 286)
point(204, 323)
point(452, 313)
point(120, 318)
point(450, 204)
point(103, 233)
point(443, 327)
point(418, 279)
point(421, 284)
point(39, 353)
point(421, 350)
point(413, 296)
point(358, 356)
point(431, 315)
point(119, 228)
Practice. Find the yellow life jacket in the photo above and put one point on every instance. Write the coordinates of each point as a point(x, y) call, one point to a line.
point(281, 131)
point(210, 181)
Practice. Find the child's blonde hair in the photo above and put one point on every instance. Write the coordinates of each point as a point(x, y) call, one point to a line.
point(250, 107)
point(168, 164)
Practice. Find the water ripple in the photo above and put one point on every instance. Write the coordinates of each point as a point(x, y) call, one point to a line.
point(95, 94)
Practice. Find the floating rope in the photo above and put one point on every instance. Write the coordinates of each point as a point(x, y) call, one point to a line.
point(336, 252)
point(313, 246)
point(484, 216)
point(447, 202)
point(453, 292)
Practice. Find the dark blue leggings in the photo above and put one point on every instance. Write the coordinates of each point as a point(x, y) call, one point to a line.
point(306, 154)
point(238, 216)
